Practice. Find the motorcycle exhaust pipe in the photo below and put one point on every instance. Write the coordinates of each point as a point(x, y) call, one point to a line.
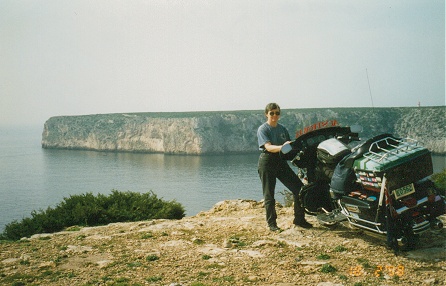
point(437, 224)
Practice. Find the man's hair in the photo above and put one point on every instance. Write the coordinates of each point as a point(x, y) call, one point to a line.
point(271, 106)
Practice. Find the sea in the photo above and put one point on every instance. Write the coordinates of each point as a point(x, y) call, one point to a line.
point(33, 178)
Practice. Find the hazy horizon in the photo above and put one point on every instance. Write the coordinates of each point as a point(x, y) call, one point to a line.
point(63, 58)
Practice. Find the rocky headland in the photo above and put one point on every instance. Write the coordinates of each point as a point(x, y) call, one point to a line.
point(201, 133)
point(227, 245)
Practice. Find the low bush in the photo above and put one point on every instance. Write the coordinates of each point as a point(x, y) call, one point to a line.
point(89, 210)
point(440, 181)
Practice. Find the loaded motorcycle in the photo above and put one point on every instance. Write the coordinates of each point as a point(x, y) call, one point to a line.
point(381, 185)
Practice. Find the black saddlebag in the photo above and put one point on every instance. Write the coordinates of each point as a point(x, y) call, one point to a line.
point(361, 205)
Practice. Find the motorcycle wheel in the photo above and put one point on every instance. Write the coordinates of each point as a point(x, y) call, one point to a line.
point(315, 198)
point(409, 242)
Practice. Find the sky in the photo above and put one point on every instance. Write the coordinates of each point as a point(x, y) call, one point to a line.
point(77, 57)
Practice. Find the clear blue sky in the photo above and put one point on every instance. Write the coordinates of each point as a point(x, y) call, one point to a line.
point(76, 57)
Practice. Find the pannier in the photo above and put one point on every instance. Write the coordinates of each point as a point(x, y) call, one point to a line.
point(331, 151)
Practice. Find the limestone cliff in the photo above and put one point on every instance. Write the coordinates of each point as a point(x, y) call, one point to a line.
point(198, 133)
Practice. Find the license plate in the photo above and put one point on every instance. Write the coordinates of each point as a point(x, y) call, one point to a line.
point(404, 191)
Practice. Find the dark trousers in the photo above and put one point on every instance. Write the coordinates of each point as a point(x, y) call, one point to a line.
point(271, 167)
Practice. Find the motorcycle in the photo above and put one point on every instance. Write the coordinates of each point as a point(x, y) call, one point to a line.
point(380, 185)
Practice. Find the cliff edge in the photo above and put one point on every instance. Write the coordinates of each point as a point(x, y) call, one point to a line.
point(227, 245)
point(201, 133)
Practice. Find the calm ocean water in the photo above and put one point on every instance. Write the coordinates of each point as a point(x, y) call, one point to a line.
point(33, 178)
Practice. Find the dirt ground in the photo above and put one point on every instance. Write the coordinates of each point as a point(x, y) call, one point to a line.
point(227, 245)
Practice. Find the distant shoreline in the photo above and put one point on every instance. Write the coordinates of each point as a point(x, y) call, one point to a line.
point(230, 132)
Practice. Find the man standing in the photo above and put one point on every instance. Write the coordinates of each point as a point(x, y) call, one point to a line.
point(271, 137)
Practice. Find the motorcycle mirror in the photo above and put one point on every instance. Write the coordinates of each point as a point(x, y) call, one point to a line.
point(286, 148)
point(356, 128)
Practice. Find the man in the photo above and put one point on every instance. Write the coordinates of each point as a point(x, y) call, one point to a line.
point(271, 137)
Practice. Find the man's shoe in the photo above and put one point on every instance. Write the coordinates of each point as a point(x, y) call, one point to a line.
point(275, 228)
point(304, 224)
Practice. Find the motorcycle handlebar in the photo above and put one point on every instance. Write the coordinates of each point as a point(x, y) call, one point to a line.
point(298, 155)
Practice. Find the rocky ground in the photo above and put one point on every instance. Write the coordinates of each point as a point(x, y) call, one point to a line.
point(227, 245)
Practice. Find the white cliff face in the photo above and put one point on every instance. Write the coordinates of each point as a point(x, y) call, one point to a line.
point(95, 133)
point(215, 134)
point(230, 132)
point(426, 125)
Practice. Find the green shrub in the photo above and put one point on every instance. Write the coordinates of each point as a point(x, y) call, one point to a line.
point(328, 268)
point(439, 180)
point(340, 248)
point(152, 257)
point(89, 210)
point(154, 278)
point(288, 198)
point(323, 256)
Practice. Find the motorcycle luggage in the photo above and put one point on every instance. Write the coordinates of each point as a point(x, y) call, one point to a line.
point(331, 151)
point(369, 180)
point(361, 205)
point(402, 160)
